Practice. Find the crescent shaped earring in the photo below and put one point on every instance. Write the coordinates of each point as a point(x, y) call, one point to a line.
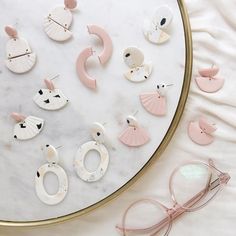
point(52, 157)
point(103, 57)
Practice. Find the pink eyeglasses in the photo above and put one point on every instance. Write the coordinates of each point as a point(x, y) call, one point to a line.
point(191, 186)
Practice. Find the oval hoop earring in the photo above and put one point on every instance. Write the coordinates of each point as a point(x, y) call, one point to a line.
point(52, 166)
point(98, 133)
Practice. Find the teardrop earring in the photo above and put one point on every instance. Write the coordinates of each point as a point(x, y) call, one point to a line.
point(134, 135)
point(98, 134)
point(51, 98)
point(52, 165)
point(20, 58)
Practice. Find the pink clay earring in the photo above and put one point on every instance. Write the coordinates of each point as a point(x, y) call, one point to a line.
point(105, 55)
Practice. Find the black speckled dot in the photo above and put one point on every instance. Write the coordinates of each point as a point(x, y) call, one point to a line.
point(38, 174)
point(163, 21)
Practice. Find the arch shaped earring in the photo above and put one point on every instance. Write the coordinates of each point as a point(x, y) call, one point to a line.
point(103, 57)
point(52, 165)
point(98, 134)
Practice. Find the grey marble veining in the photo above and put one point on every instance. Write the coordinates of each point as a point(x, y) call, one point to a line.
point(115, 98)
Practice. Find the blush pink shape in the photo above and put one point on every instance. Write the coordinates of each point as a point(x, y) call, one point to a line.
point(18, 117)
point(11, 32)
point(70, 4)
point(49, 84)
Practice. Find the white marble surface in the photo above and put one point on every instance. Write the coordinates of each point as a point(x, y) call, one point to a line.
point(115, 98)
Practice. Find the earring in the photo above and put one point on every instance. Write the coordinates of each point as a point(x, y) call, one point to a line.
point(201, 131)
point(153, 29)
point(20, 57)
point(134, 135)
point(98, 134)
point(50, 98)
point(84, 77)
point(26, 127)
point(155, 102)
point(208, 82)
point(51, 166)
point(59, 20)
point(134, 59)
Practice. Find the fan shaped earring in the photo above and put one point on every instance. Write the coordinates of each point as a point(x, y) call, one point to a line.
point(51, 166)
point(98, 134)
point(26, 127)
point(51, 98)
point(208, 82)
point(201, 131)
point(20, 58)
point(134, 135)
point(155, 102)
point(134, 59)
point(59, 20)
point(104, 57)
point(153, 29)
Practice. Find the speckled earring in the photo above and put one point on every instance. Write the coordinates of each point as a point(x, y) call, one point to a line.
point(98, 134)
point(52, 157)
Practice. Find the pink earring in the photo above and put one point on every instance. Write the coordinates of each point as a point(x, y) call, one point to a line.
point(84, 77)
point(134, 135)
point(201, 131)
point(155, 102)
point(208, 82)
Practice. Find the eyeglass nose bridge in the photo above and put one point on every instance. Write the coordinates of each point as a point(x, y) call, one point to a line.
point(224, 178)
point(174, 209)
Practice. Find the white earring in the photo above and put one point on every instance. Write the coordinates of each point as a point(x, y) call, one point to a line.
point(20, 57)
point(134, 59)
point(153, 29)
point(98, 134)
point(52, 166)
point(50, 98)
point(58, 21)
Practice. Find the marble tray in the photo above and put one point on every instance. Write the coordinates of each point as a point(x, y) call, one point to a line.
point(115, 98)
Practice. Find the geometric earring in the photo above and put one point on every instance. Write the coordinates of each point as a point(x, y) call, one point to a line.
point(51, 98)
point(155, 102)
point(58, 21)
point(52, 166)
point(20, 57)
point(134, 59)
point(134, 135)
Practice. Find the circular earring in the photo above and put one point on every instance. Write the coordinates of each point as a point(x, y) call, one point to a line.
point(58, 21)
point(26, 127)
point(51, 98)
point(20, 57)
point(134, 59)
point(153, 29)
point(98, 134)
point(134, 135)
point(52, 166)
point(155, 102)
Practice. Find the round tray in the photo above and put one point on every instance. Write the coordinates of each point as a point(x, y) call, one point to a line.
point(115, 98)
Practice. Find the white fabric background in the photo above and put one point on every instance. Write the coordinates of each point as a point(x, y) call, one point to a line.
point(214, 42)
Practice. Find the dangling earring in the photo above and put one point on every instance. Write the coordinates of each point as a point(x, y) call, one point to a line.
point(134, 135)
point(155, 102)
point(201, 131)
point(51, 166)
point(208, 82)
point(153, 29)
point(20, 57)
point(59, 20)
point(134, 59)
point(50, 98)
point(84, 77)
point(26, 127)
point(98, 134)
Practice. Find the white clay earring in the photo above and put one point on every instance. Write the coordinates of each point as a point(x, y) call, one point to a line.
point(26, 127)
point(59, 20)
point(134, 135)
point(51, 98)
point(98, 134)
point(20, 57)
point(155, 102)
point(134, 59)
point(153, 29)
point(103, 57)
point(52, 157)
